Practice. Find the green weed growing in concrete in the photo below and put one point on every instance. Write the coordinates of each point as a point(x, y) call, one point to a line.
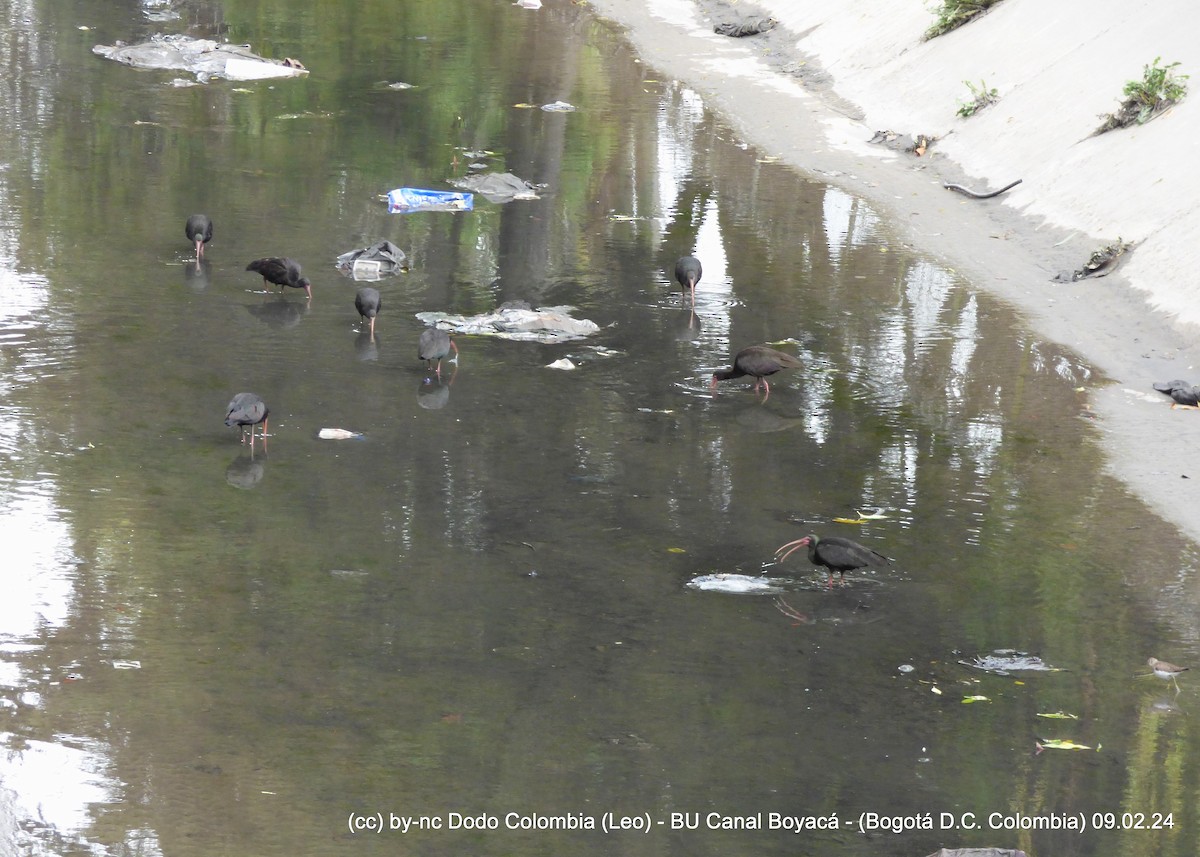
point(980, 98)
point(954, 13)
point(1160, 87)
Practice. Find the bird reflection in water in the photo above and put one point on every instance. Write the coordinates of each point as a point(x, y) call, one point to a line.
point(279, 312)
point(688, 326)
point(197, 274)
point(366, 346)
point(433, 392)
point(245, 471)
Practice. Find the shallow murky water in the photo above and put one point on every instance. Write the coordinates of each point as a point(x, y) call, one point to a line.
point(480, 608)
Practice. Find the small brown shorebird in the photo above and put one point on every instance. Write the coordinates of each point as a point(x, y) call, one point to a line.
point(687, 274)
point(833, 554)
point(757, 361)
point(433, 345)
point(1166, 671)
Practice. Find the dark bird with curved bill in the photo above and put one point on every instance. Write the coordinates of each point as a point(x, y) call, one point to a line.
point(757, 361)
point(687, 274)
point(833, 554)
point(434, 345)
point(1185, 395)
point(199, 231)
point(282, 272)
point(247, 409)
point(368, 304)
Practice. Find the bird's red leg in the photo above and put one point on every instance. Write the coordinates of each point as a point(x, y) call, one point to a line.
point(767, 388)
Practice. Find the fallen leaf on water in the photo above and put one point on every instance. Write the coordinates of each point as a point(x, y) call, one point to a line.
point(936, 690)
point(969, 699)
point(863, 517)
point(877, 515)
point(1059, 715)
point(676, 550)
point(1061, 744)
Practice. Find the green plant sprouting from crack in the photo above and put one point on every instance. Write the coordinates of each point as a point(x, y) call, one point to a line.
point(980, 98)
point(954, 13)
point(1160, 87)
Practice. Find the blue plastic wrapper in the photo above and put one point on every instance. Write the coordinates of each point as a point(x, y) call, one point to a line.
point(404, 199)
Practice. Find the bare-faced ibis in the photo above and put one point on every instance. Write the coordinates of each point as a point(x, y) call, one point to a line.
point(758, 361)
point(1166, 671)
point(247, 409)
point(1184, 394)
point(282, 272)
point(434, 345)
point(368, 304)
point(687, 274)
point(833, 554)
point(199, 231)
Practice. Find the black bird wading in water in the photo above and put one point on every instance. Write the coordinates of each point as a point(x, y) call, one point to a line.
point(282, 272)
point(757, 361)
point(247, 409)
point(434, 345)
point(687, 274)
point(833, 554)
point(199, 232)
point(368, 304)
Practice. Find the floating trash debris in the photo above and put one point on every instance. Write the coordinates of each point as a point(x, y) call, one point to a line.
point(517, 320)
point(338, 434)
point(738, 584)
point(1005, 661)
point(202, 57)
point(405, 199)
point(497, 187)
point(381, 259)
